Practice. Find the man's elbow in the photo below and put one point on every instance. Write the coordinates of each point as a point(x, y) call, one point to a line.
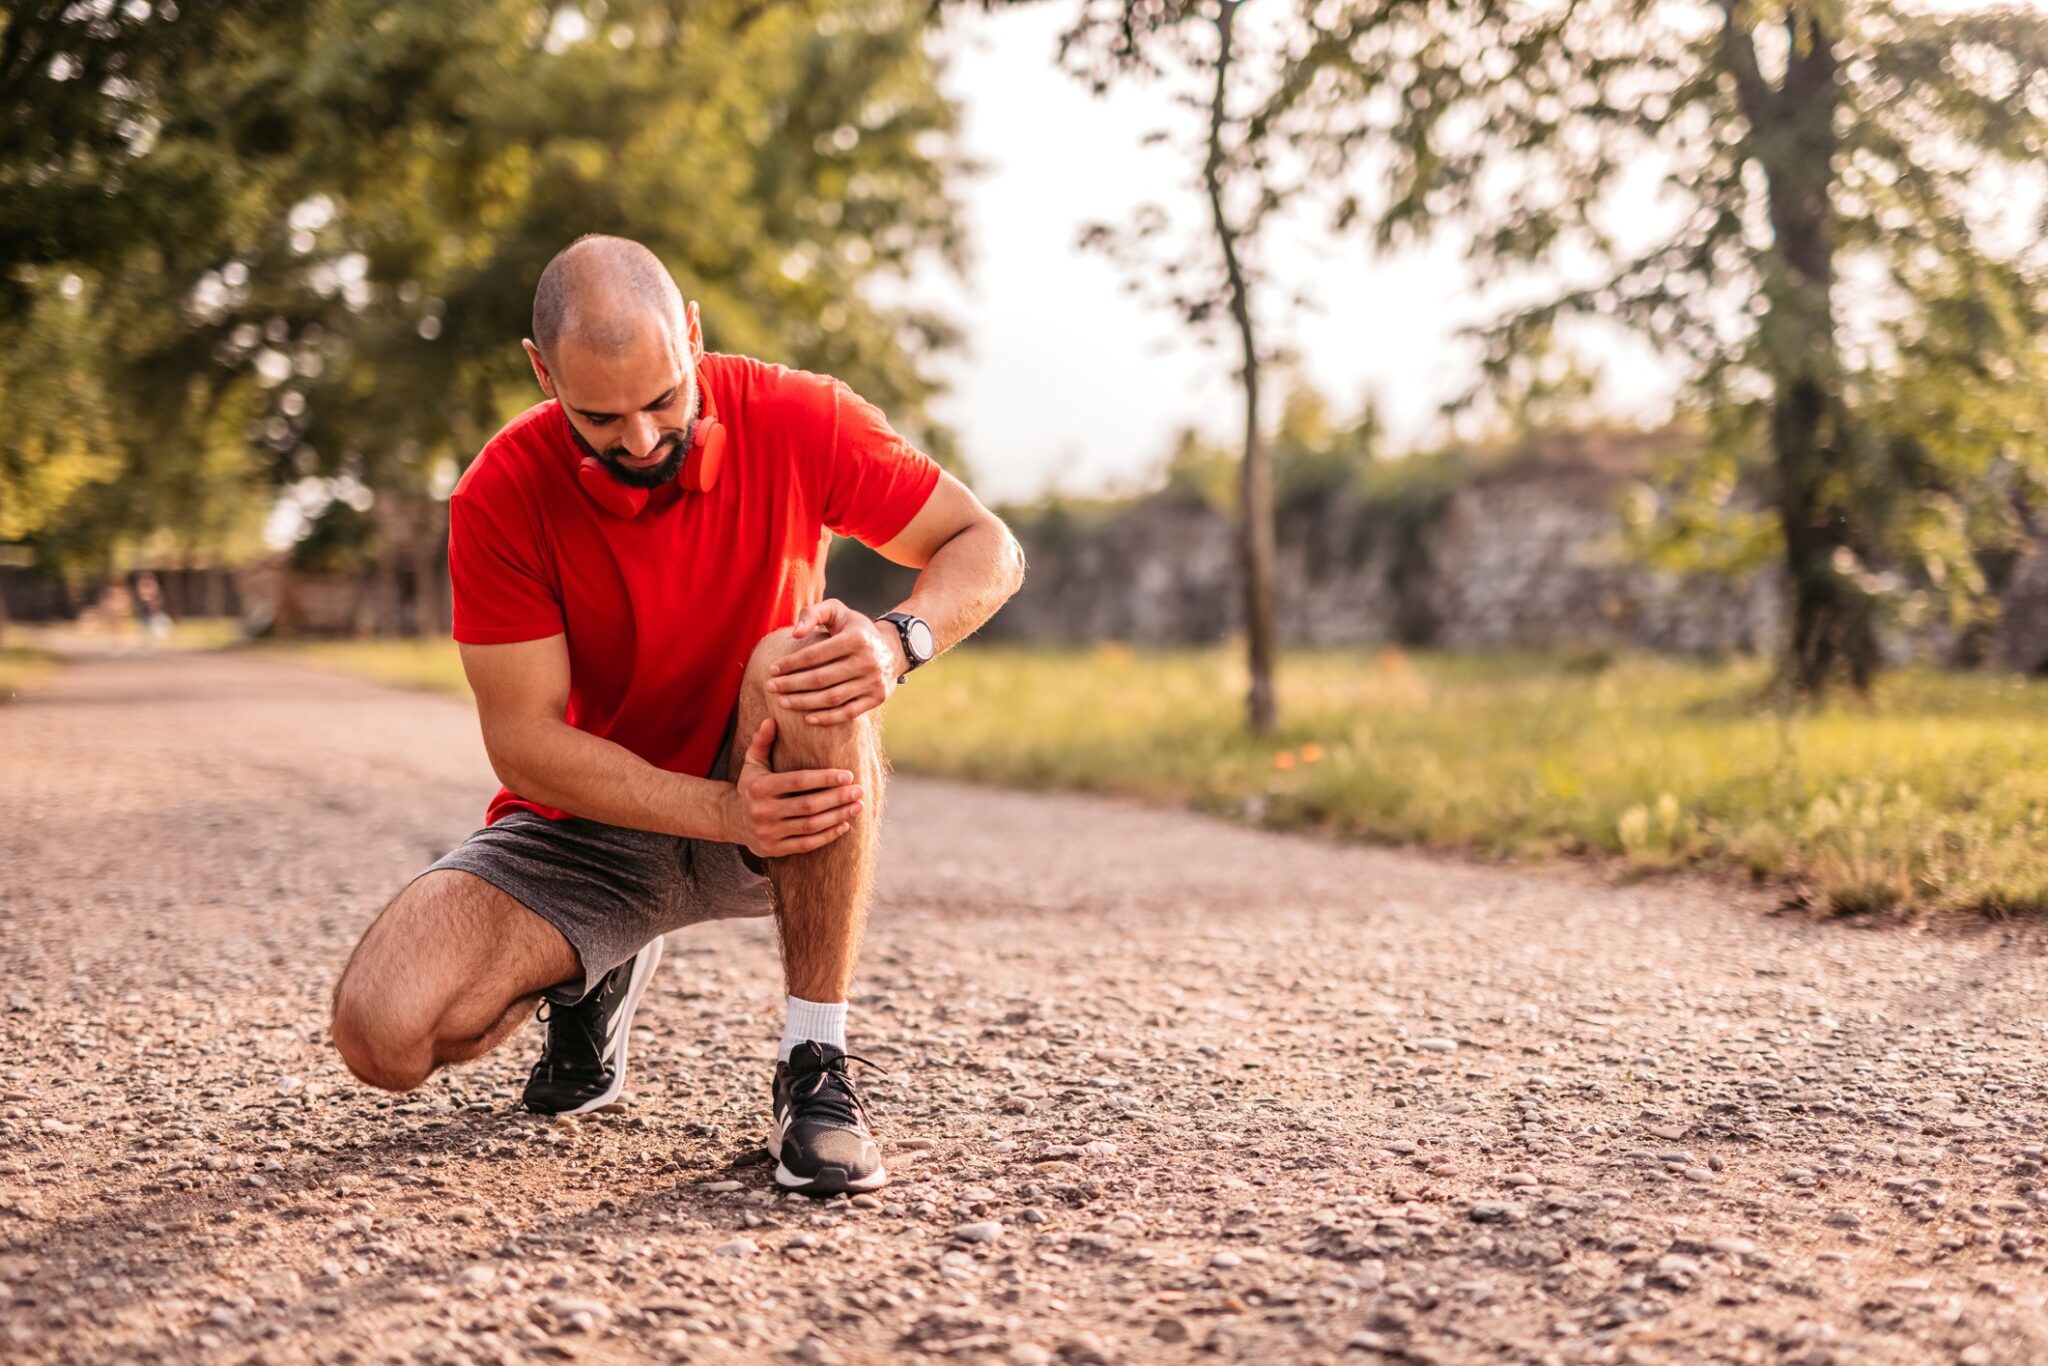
point(507, 747)
point(506, 771)
point(1011, 575)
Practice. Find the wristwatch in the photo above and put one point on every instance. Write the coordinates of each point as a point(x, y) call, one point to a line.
point(918, 644)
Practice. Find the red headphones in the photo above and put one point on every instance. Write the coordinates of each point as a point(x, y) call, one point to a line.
point(706, 456)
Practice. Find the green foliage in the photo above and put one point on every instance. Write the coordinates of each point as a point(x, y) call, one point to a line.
point(21, 669)
point(1316, 455)
point(1800, 145)
point(342, 539)
point(322, 223)
point(57, 431)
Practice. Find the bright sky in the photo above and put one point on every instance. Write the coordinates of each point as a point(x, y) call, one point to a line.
point(1069, 382)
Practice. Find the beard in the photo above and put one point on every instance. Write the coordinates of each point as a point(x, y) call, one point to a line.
point(675, 444)
point(675, 447)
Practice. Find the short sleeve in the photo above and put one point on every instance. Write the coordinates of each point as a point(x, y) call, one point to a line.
point(876, 481)
point(503, 593)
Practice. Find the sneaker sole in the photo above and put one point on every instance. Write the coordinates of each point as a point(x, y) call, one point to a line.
point(831, 1181)
point(643, 973)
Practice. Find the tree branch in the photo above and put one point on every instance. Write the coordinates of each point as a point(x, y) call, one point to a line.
point(1759, 103)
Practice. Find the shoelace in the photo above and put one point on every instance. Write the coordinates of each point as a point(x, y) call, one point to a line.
point(586, 1021)
point(843, 1101)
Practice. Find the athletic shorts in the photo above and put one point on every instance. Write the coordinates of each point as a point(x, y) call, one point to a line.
point(612, 891)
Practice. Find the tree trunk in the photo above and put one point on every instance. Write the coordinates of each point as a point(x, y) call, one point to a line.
point(1792, 137)
point(1833, 627)
point(1255, 501)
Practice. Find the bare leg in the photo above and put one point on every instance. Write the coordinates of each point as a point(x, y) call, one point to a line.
point(821, 897)
point(451, 967)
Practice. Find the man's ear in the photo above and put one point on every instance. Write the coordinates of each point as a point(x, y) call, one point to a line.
point(540, 368)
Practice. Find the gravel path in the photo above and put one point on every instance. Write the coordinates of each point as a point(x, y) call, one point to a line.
point(1159, 1087)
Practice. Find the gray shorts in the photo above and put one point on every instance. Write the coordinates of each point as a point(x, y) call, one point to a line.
point(610, 890)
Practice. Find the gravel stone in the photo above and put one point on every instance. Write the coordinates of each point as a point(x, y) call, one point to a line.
point(1233, 1132)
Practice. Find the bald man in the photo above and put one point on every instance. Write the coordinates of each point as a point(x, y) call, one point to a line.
point(638, 565)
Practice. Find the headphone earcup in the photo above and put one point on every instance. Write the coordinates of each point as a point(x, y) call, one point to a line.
point(706, 459)
point(620, 500)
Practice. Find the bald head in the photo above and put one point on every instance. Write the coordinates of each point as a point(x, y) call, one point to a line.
point(604, 293)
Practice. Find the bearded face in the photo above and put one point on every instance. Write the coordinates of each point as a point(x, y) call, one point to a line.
point(665, 462)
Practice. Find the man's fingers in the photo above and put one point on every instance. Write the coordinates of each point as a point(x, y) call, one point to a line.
point(838, 804)
point(804, 844)
point(811, 656)
point(759, 747)
point(839, 716)
point(825, 614)
point(805, 780)
point(824, 676)
point(824, 820)
point(811, 803)
point(832, 697)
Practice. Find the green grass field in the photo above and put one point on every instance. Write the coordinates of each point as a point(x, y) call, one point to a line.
point(1932, 794)
point(21, 667)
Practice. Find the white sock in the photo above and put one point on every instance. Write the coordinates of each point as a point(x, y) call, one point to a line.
point(813, 1022)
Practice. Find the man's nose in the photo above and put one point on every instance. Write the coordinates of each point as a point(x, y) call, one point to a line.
point(643, 434)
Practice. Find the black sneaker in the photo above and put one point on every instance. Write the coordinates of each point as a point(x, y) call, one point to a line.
point(820, 1138)
point(583, 1065)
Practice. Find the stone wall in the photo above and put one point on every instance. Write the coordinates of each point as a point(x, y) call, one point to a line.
point(1523, 554)
point(1531, 555)
point(2022, 641)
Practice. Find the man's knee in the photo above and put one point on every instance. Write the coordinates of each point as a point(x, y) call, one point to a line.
point(767, 650)
point(435, 976)
point(799, 744)
point(377, 1041)
point(382, 1022)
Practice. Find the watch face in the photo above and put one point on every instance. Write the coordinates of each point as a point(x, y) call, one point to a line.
point(920, 638)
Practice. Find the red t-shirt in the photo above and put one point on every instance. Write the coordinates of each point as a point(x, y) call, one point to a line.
point(663, 609)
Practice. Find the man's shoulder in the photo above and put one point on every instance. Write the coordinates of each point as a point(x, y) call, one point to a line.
point(514, 459)
point(760, 391)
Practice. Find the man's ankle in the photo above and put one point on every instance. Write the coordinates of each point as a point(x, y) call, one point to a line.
point(812, 1022)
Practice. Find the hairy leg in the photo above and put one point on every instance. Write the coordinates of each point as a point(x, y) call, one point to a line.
point(821, 898)
point(451, 967)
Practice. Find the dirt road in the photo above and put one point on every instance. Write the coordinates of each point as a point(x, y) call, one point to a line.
point(1158, 1088)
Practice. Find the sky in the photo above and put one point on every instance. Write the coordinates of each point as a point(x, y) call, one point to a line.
point(1070, 383)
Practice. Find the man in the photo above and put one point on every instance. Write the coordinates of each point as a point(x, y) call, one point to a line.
point(685, 729)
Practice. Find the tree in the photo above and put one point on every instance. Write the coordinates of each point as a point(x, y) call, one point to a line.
point(1803, 142)
point(1314, 458)
point(56, 427)
point(323, 223)
point(117, 131)
point(777, 156)
point(1218, 280)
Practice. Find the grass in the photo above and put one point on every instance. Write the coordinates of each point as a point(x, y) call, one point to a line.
point(432, 665)
point(22, 667)
point(1933, 794)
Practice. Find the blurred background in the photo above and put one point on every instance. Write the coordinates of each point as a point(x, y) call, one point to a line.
point(1591, 427)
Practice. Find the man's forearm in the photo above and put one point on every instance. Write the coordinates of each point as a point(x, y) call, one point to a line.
point(553, 763)
point(965, 581)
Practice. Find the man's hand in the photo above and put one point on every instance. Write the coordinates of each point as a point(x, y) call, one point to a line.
point(852, 669)
point(774, 814)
